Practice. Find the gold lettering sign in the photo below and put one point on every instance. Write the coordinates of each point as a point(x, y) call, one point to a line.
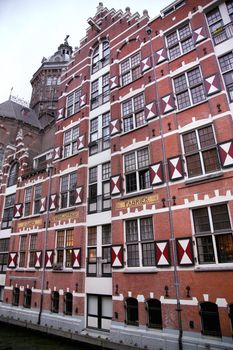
point(137, 201)
point(29, 223)
point(66, 216)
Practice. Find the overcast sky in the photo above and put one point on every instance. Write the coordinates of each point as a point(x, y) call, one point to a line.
point(31, 29)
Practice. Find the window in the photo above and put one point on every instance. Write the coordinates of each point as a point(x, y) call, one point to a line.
point(230, 308)
point(100, 85)
point(73, 102)
point(99, 133)
point(226, 64)
point(189, 88)
point(180, 41)
point(68, 304)
point(27, 298)
point(154, 313)
point(27, 201)
point(4, 249)
point(37, 197)
point(106, 196)
point(100, 57)
point(230, 8)
point(1, 156)
point(65, 245)
point(131, 305)
point(200, 151)
point(99, 251)
point(55, 302)
point(133, 113)
point(99, 311)
point(32, 250)
point(68, 190)
point(131, 69)
point(22, 251)
point(70, 141)
point(139, 237)
point(137, 170)
point(8, 211)
point(13, 174)
point(15, 296)
point(210, 319)
point(213, 234)
point(93, 189)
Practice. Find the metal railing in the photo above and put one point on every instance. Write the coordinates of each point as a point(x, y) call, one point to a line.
point(223, 33)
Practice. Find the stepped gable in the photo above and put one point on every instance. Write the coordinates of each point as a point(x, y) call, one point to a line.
point(14, 110)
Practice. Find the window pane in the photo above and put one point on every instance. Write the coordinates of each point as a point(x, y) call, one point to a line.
point(146, 229)
point(125, 66)
point(106, 171)
point(190, 142)
point(201, 220)
point(174, 52)
point(135, 60)
point(180, 83)
point(187, 45)
point(143, 158)
point(60, 239)
point(206, 136)
point(210, 159)
point(133, 255)
point(220, 217)
point(138, 102)
point(210, 319)
point(131, 183)
point(128, 123)
point(92, 236)
point(93, 175)
point(194, 165)
point(131, 231)
point(106, 234)
point(213, 16)
point(127, 107)
point(194, 77)
point(205, 250)
point(140, 118)
point(225, 248)
point(183, 100)
point(144, 179)
point(198, 94)
point(184, 32)
point(172, 39)
point(148, 254)
point(226, 62)
point(130, 162)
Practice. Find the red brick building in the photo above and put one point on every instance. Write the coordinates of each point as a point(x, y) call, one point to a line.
point(128, 234)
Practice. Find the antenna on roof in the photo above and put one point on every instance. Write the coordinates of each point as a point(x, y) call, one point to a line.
point(11, 93)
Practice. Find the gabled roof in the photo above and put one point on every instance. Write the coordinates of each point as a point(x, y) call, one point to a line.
point(13, 110)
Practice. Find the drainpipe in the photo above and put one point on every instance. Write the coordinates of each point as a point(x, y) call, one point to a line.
point(172, 236)
point(49, 170)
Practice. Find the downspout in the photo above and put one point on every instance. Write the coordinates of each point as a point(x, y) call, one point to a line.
point(165, 167)
point(49, 169)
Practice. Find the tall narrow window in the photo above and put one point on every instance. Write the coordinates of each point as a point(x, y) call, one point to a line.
point(154, 313)
point(133, 113)
point(8, 211)
point(100, 56)
point(106, 197)
point(73, 102)
point(13, 174)
point(55, 302)
point(4, 249)
point(27, 298)
point(226, 64)
point(1, 156)
point(65, 245)
point(210, 319)
point(32, 250)
point(68, 190)
point(37, 197)
point(70, 141)
point(92, 251)
point(27, 201)
point(93, 175)
point(131, 305)
point(68, 303)
point(131, 69)
point(106, 250)
point(15, 296)
point(22, 251)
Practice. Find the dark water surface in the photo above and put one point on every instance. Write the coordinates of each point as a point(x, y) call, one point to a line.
point(18, 338)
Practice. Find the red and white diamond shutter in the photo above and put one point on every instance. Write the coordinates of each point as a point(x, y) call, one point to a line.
point(49, 259)
point(38, 259)
point(53, 199)
point(79, 195)
point(156, 174)
point(199, 34)
point(160, 55)
point(57, 153)
point(184, 251)
point(42, 204)
point(117, 256)
point(18, 210)
point(60, 113)
point(116, 184)
point(115, 126)
point(212, 84)
point(175, 168)
point(146, 64)
point(167, 103)
point(12, 260)
point(83, 100)
point(226, 154)
point(162, 253)
point(81, 142)
point(76, 258)
point(151, 110)
point(113, 82)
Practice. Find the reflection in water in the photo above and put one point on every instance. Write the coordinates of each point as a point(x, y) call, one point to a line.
point(17, 338)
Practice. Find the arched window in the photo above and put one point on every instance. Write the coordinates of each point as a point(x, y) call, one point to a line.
point(27, 298)
point(231, 316)
point(15, 298)
point(210, 319)
point(131, 305)
point(100, 56)
point(13, 174)
point(154, 313)
point(55, 302)
point(68, 303)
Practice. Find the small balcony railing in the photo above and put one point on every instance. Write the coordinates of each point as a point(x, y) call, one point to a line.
point(99, 204)
point(99, 145)
point(223, 33)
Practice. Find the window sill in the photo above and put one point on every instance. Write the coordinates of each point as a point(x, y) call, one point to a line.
point(204, 178)
point(64, 210)
point(183, 54)
point(191, 106)
point(133, 81)
point(137, 194)
point(228, 267)
point(135, 129)
point(151, 269)
point(63, 270)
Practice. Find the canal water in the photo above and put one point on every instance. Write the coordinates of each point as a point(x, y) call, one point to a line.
point(18, 338)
